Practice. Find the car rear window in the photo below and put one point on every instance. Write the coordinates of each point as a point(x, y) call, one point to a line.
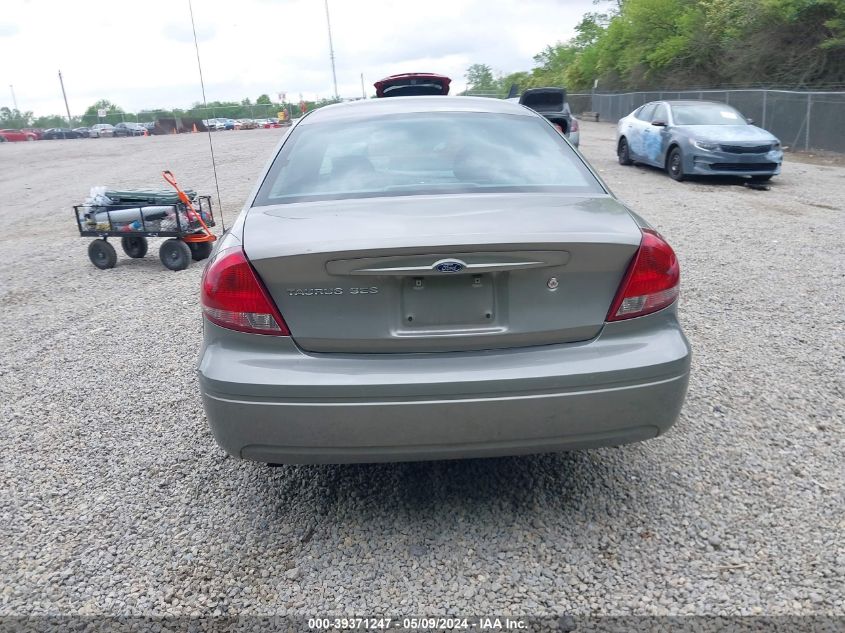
point(423, 153)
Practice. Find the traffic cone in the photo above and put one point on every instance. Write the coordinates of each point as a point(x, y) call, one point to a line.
point(195, 128)
point(146, 133)
point(173, 131)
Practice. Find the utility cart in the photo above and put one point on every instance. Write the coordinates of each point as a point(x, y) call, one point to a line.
point(135, 215)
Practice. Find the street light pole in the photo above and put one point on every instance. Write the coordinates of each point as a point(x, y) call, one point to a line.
point(67, 109)
point(331, 50)
point(14, 99)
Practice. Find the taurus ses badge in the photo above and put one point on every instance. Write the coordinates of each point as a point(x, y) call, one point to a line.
point(449, 266)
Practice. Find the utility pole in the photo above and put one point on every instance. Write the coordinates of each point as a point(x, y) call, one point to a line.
point(14, 99)
point(67, 109)
point(363, 91)
point(331, 50)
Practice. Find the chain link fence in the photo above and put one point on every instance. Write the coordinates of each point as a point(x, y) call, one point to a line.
point(801, 120)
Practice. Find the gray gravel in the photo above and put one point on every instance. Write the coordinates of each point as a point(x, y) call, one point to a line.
point(115, 498)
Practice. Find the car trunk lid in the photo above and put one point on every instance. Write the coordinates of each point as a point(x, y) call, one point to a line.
point(544, 100)
point(412, 84)
point(442, 273)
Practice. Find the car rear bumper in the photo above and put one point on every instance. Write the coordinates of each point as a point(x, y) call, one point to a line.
point(268, 401)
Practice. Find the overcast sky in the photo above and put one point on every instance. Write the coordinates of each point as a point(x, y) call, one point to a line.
point(140, 55)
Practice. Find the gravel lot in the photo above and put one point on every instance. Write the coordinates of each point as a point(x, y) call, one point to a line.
point(117, 500)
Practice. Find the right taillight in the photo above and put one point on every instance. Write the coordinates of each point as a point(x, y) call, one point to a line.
point(233, 296)
point(652, 281)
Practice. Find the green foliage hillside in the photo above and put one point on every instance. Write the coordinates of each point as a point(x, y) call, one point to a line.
point(697, 43)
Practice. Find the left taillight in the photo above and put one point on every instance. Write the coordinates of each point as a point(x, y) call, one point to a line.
point(573, 126)
point(234, 297)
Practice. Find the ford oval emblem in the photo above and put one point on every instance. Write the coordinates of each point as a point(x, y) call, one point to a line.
point(449, 266)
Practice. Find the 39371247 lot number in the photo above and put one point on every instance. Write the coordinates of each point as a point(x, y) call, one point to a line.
point(349, 624)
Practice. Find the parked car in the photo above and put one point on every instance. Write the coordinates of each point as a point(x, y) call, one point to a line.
point(390, 293)
point(127, 128)
point(689, 137)
point(149, 126)
point(412, 84)
point(552, 104)
point(18, 135)
point(60, 133)
point(220, 124)
point(37, 131)
point(574, 134)
point(101, 129)
point(83, 132)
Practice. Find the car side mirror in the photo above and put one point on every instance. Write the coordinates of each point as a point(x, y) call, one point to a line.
point(659, 123)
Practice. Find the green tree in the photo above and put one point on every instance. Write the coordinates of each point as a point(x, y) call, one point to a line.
point(14, 118)
point(114, 113)
point(679, 43)
point(480, 77)
point(53, 120)
point(263, 99)
point(520, 79)
point(103, 104)
point(589, 30)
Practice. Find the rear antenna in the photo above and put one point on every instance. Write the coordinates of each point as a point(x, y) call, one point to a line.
point(205, 108)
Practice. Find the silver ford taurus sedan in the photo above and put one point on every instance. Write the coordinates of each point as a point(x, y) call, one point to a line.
point(436, 277)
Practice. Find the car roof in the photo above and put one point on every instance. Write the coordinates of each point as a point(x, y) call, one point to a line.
point(366, 108)
point(674, 102)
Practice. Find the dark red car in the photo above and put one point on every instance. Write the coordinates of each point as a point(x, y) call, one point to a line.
point(412, 84)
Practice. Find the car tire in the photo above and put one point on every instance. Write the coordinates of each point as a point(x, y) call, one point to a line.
point(623, 153)
point(675, 165)
point(102, 254)
point(135, 246)
point(30, 138)
point(175, 254)
point(200, 250)
point(762, 178)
